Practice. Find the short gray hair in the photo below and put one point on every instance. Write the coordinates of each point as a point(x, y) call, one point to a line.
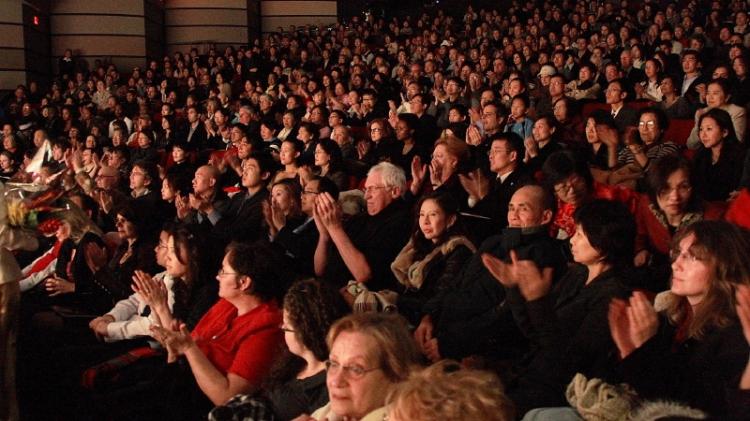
point(393, 176)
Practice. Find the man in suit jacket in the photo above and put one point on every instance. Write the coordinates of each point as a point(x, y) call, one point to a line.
point(195, 133)
point(243, 218)
point(617, 91)
point(490, 198)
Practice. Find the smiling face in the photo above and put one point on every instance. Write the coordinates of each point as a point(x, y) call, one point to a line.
point(715, 95)
point(648, 128)
point(355, 397)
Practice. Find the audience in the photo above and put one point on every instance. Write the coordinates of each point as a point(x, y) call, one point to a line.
point(374, 155)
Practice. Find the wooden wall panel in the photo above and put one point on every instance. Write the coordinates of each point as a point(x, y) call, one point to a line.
point(99, 45)
point(94, 24)
point(297, 7)
point(108, 7)
point(12, 35)
point(9, 79)
point(284, 13)
point(202, 17)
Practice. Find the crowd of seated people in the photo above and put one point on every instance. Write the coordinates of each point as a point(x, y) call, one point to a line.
point(533, 194)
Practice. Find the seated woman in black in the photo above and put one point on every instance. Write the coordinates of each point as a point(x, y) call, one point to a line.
point(329, 163)
point(431, 260)
point(567, 323)
point(719, 160)
point(693, 350)
point(297, 383)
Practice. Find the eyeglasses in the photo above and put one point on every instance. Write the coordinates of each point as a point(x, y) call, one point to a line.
point(161, 245)
point(286, 329)
point(565, 186)
point(354, 372)
point(650, 124)
point(309, 192)
point(376, 129)
point(102, 176)
point(371, 189)
point(222, 272)
point(497, 151)
point(682, 190)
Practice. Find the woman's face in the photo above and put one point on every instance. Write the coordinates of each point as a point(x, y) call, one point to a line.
point(173, 265)
point(690, 275)
point(281, 198)
point(676, 194)
point(125, 228)
point(584, 74)
point(444, 160)
point(167, 192)
point(6, 163)
point(572, 190)
point(583, 252)
point(560, 109)
point(591, 135)
point(63, 231)
point(541, 131)
point(433, 221)
point(710, 133)
point(376, 132)
point(161, 249)
point(229, 285)
point(648, 128)
point(322, 158)
point(293, 343)
point(666, 86)
point(304, 135)
point(143, 140)
point(351, 395)
point(715, 96)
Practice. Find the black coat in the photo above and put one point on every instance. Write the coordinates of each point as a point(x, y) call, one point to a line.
point(569, 332)
point(703, 373)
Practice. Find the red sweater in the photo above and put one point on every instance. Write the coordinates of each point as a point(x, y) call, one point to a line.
point(244, 345)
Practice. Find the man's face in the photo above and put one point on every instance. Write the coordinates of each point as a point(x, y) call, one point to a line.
point(368, 102)
point(192, 115)
point(525, 209)
point(556, 87)
point(377, 195)
point(251, 174)
point(490, 118)
point(107, 178)
point(203, 182)
point(501, 157)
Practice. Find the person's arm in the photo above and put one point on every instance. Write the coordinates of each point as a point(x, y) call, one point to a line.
point(217, 386)
point(354, 260)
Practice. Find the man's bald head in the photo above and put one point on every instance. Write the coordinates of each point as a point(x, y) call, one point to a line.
point(530, 206)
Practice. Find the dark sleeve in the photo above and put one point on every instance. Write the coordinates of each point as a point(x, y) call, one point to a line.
point(565, 349)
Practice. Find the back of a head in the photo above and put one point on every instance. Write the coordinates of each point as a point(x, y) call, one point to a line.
point(445, 391)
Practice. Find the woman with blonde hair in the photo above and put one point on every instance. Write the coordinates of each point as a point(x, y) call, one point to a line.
point(445, 391)
point(449, 158)
point(369, 354)
point(693, 350)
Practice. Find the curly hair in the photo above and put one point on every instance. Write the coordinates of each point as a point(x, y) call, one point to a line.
point(312, 307)
point(445, 391)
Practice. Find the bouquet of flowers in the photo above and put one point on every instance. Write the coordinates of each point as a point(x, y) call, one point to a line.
point(24, 202)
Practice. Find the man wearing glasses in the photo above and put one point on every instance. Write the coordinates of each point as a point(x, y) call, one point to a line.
point(363, 248)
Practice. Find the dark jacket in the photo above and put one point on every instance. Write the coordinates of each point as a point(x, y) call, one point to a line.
point(569, 333)
point(704, 373)
point(474, 318)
